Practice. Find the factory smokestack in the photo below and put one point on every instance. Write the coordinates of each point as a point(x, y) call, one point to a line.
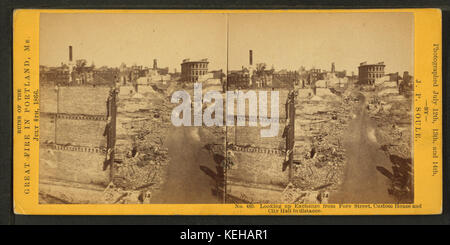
point(155, 64)
point(70, 53)
point(250, 56)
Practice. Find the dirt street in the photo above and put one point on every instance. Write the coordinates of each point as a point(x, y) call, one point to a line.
point(185, 182)
point(363, 183)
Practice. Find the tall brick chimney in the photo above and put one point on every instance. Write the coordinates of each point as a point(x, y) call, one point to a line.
point(250, 56)
point(70, 53)
point(155, 64)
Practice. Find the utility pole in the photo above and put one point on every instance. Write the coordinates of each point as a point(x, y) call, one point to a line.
point(57, 112)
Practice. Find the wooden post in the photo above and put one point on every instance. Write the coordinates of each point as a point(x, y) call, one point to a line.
point(57, 112)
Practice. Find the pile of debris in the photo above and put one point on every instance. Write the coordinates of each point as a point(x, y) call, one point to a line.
point(141, 156)
point(394, 124)
point(322, 163)
point(137, 172)
point(393, 115)
point(294, 195)
point(117, 195)
point(319, 160)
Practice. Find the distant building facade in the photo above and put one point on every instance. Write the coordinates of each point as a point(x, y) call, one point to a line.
point(77, 73)
point(368, 73)
point(54, 75)
point(239, 79)
point(285, 79)
point(314, 75)
point(191, 70)
point(407, 84)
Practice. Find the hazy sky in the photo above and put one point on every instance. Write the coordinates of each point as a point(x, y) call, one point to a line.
point(110, 39)
point(287, 40)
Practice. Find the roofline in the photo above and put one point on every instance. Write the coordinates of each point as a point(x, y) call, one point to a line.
point(372, 65)
point(194, 61)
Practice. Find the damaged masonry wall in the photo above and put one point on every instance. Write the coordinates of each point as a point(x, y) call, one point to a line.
point(303, 163)
point(256, 174)
point(77, 129)
point(319, 157)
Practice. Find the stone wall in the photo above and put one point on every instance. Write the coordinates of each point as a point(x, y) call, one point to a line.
point(83, 100)
point(84, 132)
point(72, 166)
point(73, 144)
point(244, 136)
point(47, 128)
point(257, 172)
point(258, 167)
point(251, 135)
point(77, 116)
point(47, 99)
point(86, 100)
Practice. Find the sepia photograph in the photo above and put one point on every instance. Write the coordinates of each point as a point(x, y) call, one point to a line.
point(226, 108)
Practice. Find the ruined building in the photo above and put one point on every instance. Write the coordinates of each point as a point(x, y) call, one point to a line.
point(260, 168)
point(368, 73)
point(260, 76)
point(285, 79)
point(77, 73)
point(248, 76)
point(238, 79)
point(191, 70)
point(78, 125)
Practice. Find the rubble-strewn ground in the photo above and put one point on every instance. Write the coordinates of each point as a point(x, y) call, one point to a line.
point(141, 155)
point(144, 132)
point(394, 118)
point(319, 156)
point(393, 115)
point(323, 133)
